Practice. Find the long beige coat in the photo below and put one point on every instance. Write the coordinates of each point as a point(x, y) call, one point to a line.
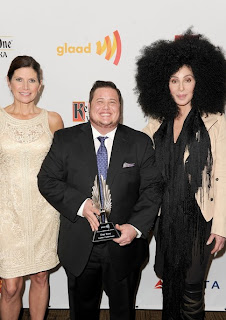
point(212, 202)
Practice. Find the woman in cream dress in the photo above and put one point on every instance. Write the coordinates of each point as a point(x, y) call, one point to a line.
point(28, 224)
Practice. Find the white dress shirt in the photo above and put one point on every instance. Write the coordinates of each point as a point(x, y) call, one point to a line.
point(108, 142)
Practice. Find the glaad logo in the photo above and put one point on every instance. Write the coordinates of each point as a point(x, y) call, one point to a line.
point(80, 111)
point(61, 50)
point(111, 48)
point(5, 46)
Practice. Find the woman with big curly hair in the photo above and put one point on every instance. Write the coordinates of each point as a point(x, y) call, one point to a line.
point(181, 86)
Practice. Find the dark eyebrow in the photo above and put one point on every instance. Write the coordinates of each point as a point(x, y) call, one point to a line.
point(187, 75)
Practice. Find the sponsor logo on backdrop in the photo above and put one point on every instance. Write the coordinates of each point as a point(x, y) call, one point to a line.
point(180, 36)
point(6, 46)
point(80, 111)
point(208, 284)
point(158, 285)
point(67, 48)
point(112, 48)
point(212, 284)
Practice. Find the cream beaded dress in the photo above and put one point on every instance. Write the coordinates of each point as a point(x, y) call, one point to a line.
point(28, 223)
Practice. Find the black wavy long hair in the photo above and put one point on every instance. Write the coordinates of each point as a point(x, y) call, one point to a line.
point(159, 61)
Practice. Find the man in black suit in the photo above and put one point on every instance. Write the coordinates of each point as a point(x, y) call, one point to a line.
point(66, 180)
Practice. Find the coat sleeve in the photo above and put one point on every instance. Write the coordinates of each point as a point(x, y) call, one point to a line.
point(53, 184)
point(219, 214)
point(150, 192)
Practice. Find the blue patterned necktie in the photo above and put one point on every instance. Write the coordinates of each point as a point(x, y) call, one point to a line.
point(102, 164)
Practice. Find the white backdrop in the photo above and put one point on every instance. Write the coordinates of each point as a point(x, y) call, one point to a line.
point(62, 36)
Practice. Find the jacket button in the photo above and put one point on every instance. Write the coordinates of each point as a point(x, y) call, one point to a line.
point(217, 179)
point(211, 199)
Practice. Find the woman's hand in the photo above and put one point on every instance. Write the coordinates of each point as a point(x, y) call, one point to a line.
point(219, 242)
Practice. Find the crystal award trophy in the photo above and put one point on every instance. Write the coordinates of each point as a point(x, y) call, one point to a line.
point(101, 198)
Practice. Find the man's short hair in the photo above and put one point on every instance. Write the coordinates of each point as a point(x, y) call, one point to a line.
point(104, 84)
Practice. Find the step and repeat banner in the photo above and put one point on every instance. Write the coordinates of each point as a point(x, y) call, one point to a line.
point(76, 44)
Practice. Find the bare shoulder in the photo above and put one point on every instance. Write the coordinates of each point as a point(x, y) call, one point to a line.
point(55, 121)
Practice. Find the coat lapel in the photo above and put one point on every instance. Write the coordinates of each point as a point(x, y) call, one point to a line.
point(119, 149)
point(88, 150)
point(209, 120)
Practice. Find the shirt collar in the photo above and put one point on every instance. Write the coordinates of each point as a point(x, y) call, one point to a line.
point(110, 134)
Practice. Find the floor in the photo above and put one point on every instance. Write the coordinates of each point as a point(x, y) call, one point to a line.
point(140, 315)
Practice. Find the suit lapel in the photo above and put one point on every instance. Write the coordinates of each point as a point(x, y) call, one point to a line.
point(119, 149)
point(88, 149)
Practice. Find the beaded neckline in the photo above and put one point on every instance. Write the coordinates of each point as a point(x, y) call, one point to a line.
point(34, 119)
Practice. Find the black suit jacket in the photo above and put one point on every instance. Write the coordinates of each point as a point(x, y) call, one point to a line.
point(66, 179)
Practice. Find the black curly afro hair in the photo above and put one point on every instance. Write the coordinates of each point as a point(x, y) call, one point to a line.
point(162, 59)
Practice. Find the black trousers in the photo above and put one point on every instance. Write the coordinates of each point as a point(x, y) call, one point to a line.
point(197, 272)
point(190, 305)
point(85, 291)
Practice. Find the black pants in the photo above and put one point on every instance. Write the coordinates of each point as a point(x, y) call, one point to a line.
point(191, 302)
point(197, 271)
point(85, 291)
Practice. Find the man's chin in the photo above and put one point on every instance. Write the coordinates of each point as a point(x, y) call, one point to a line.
point(104, 125)
point(108, 125)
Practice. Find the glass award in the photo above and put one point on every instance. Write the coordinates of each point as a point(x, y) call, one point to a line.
point(101, 197)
